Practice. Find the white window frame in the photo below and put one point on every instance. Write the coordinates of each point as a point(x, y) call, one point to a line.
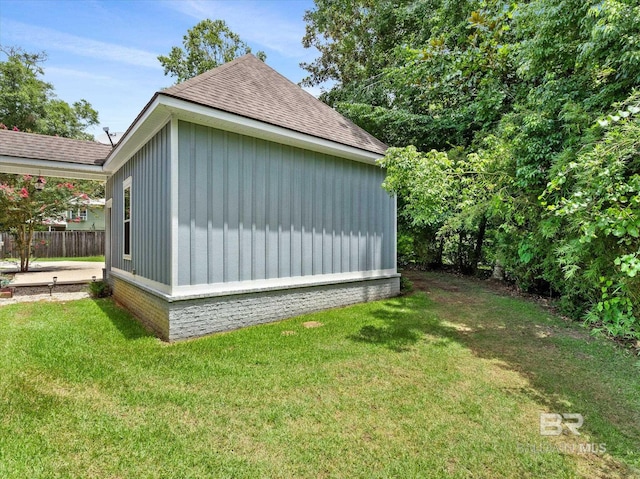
point(126, 184)
point(78, 213)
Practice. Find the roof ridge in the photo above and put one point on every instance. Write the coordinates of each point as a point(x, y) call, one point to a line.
point(58, 137)
point(250, 88)
point(196, 80)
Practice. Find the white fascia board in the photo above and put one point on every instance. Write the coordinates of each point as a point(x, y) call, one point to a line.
point(163, 108)
point(152, 120)
point(23, 166)
point(204, 115)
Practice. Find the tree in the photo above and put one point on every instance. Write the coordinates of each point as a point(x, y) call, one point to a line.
point(595, 202)
point(205, 46)
point(499, 100)
point(29, 104)
point(453, 194)
point(23, 207)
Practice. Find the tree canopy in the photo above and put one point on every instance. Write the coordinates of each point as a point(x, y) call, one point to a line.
point(205, 46)
point(514, 132)
point(28, 103)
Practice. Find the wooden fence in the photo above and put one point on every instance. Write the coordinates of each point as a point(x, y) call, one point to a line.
point(58, 244)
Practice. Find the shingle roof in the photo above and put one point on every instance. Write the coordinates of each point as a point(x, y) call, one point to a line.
point(248, 87)
point(42, 147)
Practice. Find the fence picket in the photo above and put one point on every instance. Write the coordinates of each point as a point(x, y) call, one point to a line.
point(58, 244)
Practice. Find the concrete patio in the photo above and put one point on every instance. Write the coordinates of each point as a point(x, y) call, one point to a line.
point(42, 273)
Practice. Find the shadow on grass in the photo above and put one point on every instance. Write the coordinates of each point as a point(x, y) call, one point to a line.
point(566, 369)
point(405, 321)
point(124, 322)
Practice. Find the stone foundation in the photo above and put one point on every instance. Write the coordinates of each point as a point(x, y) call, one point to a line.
point(173, 320)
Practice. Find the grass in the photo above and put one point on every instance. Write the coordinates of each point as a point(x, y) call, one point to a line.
point(94, 259)
point(447, 382)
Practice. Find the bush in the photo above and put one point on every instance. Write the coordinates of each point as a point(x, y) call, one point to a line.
point(4, 281)
point(99, 289)
point(406, 286)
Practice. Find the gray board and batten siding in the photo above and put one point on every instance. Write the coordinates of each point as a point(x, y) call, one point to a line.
point(149, 169)
point(251, 209)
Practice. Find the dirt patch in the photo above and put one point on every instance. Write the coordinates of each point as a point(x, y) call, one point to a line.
point(37, 290)
point(312, 324)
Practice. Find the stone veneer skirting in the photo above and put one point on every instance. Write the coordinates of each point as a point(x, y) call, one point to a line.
point(183, 319)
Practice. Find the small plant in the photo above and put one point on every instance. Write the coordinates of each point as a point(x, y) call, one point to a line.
point(4, 281)
point(99, 289)
point(614, 313)
point(406, 286)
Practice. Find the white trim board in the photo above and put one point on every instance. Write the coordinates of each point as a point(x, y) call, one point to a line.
point(173, 201)
point(201, 291)
point(149, 285)
point(163, 109)
point(223, 120)
point(22, 166)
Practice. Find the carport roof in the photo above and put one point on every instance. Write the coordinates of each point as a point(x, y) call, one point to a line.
point(17, 144)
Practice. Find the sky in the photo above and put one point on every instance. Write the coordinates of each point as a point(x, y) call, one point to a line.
point(106, 51)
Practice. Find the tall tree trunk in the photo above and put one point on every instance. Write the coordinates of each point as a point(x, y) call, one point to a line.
point(22, 240)
point(29, 242)
point(460, 259)
point(440, 253)
point(477, 252)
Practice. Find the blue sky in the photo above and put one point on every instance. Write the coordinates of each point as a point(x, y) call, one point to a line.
point(106, 51)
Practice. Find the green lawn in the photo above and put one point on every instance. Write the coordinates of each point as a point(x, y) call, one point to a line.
point(95, 259)
point(449, 382)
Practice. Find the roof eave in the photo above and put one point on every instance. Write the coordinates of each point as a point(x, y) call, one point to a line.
point(22, 166)
point(162, 108)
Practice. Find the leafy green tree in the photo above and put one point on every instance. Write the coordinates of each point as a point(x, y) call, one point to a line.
point(205, 46)
point(28, 103)
point(455, 194)
point(499, 99)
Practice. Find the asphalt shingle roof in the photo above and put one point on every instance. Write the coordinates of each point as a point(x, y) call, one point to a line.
point(42, 147)
point(248, 87)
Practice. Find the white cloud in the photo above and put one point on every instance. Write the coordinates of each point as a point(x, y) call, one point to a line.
point(257, 25)
point(70, 72)
point(55, 40)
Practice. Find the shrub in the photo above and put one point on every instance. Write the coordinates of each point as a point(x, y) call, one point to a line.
point(99, 289)
point(4, 281)
point(406, 286)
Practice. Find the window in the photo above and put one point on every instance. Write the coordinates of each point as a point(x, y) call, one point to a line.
point(126, 218)
point(77, 215)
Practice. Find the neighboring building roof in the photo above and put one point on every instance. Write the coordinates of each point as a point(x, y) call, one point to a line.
point(90, 202)
point(42, 147)
point(248, 87)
